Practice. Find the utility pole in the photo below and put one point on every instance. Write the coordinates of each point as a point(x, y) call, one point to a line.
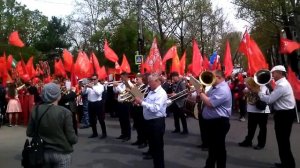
point(140, 28)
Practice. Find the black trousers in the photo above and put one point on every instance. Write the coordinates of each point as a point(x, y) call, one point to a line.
point(155, 131)
point(96, 111)
point(179, 115)
point(261, 120)
point(203, 129)
point(283, 126)
point(242, 107)
point(217, 130)
point(124, 119)
point(139, 122)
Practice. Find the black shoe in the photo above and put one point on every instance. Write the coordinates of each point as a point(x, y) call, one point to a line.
point(143, 145)
point(136, 143)
point(258, 147)
point(84, 127)
point(277, 165)
point(147, 157)
point(93, 136)
point(184, 132)
point(103, 136)
point(176, 131)
point(125, 139)
point(120, 137)
point(146, 153)
point(245, 144)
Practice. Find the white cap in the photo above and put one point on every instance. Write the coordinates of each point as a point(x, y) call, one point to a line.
point(278, 68)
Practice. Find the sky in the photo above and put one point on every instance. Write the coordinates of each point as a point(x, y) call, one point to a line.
point(62, 8)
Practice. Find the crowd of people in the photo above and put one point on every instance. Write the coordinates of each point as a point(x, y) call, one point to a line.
point(81, 107)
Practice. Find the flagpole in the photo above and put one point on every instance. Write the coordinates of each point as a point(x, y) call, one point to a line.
point(297, 115)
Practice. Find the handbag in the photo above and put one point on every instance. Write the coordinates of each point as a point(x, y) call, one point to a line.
point(33, 151)
point(261, 105)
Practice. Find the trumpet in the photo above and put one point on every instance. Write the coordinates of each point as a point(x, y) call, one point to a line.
point(112, 82)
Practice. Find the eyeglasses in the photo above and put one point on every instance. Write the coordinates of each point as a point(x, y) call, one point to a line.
point(93, 79)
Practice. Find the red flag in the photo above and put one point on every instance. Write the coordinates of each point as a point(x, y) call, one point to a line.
point(228, 65)
point(73, 77)
point(154, 60)
point(15, 40)
point(102, 73)
point(68, 60)
point(175, 62)
point(182, 63)
point(59, 69)
point(170, 54)
point(96, 65)
point(197, 60)
point(9, 62)
point(288, 46)
point(109, 53)
point(3, 69)
point(125, 65)
point(295, 83)
point(82, 66)
point(205, 63)
point(118, 68)
point(19, 69)
point(256, 60)
point(30, 68)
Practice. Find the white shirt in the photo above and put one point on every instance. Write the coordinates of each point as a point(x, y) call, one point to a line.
point(95, 93)
point(122, 87)
point(154, 105)
point(282, 96)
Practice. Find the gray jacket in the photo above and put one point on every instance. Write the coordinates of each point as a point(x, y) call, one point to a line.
point(178, 87)
point(56, 128)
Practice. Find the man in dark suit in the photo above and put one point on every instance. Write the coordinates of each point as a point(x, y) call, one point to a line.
point(177, 106)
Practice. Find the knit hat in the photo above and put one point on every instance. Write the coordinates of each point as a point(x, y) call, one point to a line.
point(50, 92)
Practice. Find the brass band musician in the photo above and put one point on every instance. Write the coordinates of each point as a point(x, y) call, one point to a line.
point(123, 107)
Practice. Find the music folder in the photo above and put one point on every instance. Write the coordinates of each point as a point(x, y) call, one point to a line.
point(136, 92)
point(195, 83)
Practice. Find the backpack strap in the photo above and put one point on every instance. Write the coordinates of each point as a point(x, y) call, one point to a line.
point(37, 125)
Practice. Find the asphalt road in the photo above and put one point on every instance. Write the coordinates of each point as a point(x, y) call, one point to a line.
point(180, 150)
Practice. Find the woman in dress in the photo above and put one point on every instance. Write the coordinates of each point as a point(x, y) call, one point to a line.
point(13, 106)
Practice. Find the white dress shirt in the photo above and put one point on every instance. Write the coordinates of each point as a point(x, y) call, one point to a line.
point(95, 93)
point(122, 87)
point(282, 96)
point(154, 105)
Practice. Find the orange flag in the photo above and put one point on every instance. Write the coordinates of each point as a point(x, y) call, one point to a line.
point(30, 68)
point(175, 63)
point(125, 65)
point(197, 60)
point(59, 69)
point(68, 60)
point(154, 61)
point(15, 40)
point(109, 53)
point(182, 63)
point(288, 46)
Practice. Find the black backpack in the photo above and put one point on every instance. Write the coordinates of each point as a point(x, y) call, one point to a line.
point(33, 152)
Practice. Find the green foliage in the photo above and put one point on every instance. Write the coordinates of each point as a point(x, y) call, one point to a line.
point(54, 37)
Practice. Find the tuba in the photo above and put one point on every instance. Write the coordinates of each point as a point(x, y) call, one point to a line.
point(207, 78)
point(262, 77)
